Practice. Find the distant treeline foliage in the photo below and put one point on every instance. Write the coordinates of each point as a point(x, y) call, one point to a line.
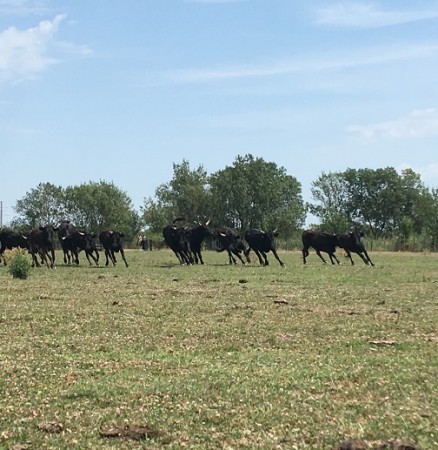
point(251, 193)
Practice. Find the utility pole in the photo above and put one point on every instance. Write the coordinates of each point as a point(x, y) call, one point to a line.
point(1, 213)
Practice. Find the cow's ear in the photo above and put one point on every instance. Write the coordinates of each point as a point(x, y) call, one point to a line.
point(42, 228)
point(121, 234)
point(93, 235)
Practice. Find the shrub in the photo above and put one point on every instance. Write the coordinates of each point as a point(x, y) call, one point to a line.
point(18, 264)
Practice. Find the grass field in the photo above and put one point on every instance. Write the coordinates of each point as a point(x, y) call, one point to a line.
point(219, 356)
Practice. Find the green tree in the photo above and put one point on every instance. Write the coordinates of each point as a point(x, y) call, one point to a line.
point(331, 194)
point(101, 205)
point(42, 205)
point(428, 208)
point(382, 200)
point(186, 195)
point(253, 193)
point(375, 198)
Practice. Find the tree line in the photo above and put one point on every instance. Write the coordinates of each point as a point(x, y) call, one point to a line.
point(250, 193)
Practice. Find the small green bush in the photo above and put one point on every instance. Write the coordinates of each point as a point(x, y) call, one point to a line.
point(19, 266)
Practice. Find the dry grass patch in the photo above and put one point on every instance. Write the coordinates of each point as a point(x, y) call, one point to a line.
point(303, 357)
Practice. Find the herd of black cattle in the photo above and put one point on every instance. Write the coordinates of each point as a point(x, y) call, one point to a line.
point(185, 241)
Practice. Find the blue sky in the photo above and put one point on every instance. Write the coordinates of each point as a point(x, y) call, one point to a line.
point(119, 90)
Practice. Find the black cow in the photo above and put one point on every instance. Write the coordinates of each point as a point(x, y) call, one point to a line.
point(352, 243)
point(78, 240)
point(321, 242)
point(112, 243)
point(176, 239)
point(231, 241)
point(195, 236)
point(9, 239)
point(41, 242)
point(64, 229)
point(262, 242)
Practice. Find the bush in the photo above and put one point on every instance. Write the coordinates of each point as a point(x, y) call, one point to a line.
point(18, 264)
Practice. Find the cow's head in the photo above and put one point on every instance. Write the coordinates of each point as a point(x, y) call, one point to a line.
point(116, 239)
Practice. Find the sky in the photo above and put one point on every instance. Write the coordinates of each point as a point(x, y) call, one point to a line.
point(121, 90)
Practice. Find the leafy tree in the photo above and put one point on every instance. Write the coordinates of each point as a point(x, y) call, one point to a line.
point(388, 203)
point(375, 198)
point(186, 195)
point(42, 205)
point(253, 193)
point(330, 191)
point(428, 207)
point(102, 205)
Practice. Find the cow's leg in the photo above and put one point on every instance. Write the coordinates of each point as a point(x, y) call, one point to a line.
point(366, 259)
point(305, 252)
point(177, 255)
point(265, 257)
point(45, 258)
point(237, 253)
point(259, 257)
point(52, 257)
point(184, 259)
point(35, 262)
point(200, 258)
point(122, 252)
point(318, 252)
point(113, 257)
point(75, 256)
point(106, 257)
point(332, 255)
point(231, 258)
point(349, 256)
point(274, 251)
point(88, 254)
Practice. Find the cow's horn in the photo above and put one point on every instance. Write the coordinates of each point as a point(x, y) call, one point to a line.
point(208, 221)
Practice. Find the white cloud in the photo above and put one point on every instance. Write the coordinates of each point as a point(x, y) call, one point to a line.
point(366, 57)
point(359, 15)
point(25, 53)
point(23, 7)
point(418, 124)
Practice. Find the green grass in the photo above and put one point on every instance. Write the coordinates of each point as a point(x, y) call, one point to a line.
point(220, 356)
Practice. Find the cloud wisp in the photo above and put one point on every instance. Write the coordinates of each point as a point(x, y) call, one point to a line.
point(420, 123)
point(23, 7)
point(371, 56)
point(360, 15)
point(26, 53)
